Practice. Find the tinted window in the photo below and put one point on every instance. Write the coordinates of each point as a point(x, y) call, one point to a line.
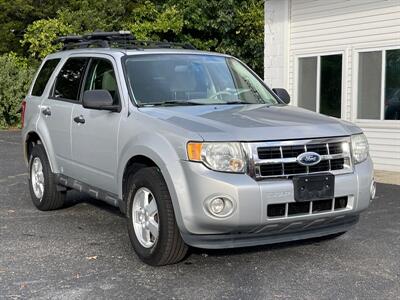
point(392, 87)
point(194, 79)
point(101, 76)
point(331, 85)
point(44, 76)
point(69, 79)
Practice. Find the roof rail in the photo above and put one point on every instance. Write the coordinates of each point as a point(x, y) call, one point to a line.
point(114, 39)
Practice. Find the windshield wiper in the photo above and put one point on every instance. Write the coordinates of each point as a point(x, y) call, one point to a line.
point(171, 103)
point(235, 102)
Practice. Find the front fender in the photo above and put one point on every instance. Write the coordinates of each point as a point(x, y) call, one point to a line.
point(159, 149)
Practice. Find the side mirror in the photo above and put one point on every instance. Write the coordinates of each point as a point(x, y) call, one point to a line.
point(99, 99)
point(282, 94)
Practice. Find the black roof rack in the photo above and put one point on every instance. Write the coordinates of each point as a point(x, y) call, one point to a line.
point(115, 39)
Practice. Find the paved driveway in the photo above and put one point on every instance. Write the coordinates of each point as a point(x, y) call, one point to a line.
point(83, 251)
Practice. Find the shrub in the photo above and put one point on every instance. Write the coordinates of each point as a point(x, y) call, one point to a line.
point(15, 77)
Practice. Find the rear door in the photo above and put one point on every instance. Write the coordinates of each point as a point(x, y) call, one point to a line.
point(56, 109)
point(37, 94)
point(95, 142)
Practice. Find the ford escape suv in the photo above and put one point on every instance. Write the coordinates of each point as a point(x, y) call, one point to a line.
point(192, 146)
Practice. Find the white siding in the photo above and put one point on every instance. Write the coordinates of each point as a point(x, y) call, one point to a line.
point(276, 43)
point(347, 26)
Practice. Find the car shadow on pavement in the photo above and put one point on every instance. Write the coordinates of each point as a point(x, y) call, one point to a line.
point(74, 198)
point(262, 248)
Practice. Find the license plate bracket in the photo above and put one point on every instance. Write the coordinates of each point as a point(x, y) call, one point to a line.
point(314, 187)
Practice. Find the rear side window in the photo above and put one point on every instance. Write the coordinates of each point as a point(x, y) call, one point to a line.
point(44, 76)
point(69, 79)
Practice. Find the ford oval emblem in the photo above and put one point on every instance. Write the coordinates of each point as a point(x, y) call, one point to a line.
point(308, 158)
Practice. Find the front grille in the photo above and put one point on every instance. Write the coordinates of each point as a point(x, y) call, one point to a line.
point(279, 159)
point(292, 209)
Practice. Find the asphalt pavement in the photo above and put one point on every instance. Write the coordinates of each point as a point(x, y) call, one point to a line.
point(83, 252)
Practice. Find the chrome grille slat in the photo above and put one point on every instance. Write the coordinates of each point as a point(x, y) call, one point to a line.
point(327, 150)
point(287, 166)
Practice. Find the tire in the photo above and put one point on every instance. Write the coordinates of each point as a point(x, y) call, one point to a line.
point(166, 248)
point(49, 198)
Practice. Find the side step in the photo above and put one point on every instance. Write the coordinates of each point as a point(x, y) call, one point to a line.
point(64, 183)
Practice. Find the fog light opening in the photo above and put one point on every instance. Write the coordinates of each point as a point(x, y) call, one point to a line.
point(373, 189)
point(219, 206)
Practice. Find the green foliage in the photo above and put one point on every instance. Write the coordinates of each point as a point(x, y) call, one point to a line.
point(147, 21)
point(234, 27)
point(90, 15)
point(41, 34)
point(15, 78)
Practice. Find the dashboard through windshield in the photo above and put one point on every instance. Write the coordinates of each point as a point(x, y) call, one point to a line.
point(191, 79)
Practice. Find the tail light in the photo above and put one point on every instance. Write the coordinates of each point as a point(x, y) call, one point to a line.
point(23, 106)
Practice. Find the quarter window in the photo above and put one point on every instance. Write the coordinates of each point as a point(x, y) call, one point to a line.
point(44, 76)
point(69, 79)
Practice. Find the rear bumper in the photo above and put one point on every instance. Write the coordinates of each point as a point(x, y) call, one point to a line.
point(283, 233)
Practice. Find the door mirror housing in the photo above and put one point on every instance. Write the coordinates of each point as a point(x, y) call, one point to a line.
point(99, 99)
point(282, 94)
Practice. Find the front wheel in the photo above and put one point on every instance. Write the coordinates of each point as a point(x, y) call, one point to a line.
point(152, 228)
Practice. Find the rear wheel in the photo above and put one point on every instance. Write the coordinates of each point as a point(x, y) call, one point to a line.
point(151, 220)
point(42, 186)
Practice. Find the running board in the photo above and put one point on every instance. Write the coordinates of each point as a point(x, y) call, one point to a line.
point(71, 183)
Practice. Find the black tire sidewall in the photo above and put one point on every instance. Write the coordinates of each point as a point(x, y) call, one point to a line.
point(151, 179)
point(39, 151)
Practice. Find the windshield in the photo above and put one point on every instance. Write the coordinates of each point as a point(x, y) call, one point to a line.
point(181, 79)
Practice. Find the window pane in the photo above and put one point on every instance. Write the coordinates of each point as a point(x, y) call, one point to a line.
point(392, 86)
point(69, 79)
point(101, 76)
point(331, 85)
point(369, 85)
point(44, 76)
point(307, 93)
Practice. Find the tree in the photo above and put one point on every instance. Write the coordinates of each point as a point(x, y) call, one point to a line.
point(15, 77)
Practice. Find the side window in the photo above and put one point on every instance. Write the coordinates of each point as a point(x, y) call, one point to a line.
point(44, 76)
point(69, 79)
point(101, 76)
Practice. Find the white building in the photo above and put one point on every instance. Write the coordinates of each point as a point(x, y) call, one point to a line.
point(341, 58)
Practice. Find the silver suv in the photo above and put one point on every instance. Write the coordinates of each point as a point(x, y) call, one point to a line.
point(192, 146)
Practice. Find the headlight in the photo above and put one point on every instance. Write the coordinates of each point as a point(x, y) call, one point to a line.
point(359, 147)
point(225, 157)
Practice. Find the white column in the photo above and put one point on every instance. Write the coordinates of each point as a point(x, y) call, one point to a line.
point(276, 43)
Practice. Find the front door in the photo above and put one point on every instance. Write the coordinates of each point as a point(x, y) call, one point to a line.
point(95, 142)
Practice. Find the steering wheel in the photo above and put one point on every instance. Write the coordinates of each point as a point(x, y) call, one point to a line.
point(215, 96)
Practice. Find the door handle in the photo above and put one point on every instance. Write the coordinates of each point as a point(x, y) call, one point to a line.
point(46, 111)
point(79, 119)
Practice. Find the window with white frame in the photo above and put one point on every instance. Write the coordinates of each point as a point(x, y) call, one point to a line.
point(320, 84)
point(378, 87)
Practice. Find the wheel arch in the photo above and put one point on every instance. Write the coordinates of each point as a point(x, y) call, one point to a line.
point(144, 156)
point(31, 139)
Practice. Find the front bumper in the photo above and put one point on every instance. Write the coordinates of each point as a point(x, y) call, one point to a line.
point(249, 224)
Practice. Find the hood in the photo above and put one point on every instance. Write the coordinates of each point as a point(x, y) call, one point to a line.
point(251, 122)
